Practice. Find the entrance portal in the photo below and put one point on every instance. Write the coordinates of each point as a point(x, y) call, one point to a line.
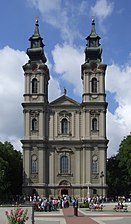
point(64, 192)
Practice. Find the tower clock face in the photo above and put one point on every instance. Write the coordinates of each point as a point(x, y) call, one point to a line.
point(35, 43)
point(34, 67)
point(93, 43)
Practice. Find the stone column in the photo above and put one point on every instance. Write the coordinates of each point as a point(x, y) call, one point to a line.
point(41, 134)
point(27, 163)
point(42, 165)
point(51, 168)
point(27, 124)
point(56, 124)
point(84, 166)
point(77, 166)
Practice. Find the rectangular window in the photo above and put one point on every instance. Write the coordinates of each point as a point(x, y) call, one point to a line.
point(64, 165)
point(94, 167)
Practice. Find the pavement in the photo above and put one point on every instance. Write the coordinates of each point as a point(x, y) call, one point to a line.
point(85, 216)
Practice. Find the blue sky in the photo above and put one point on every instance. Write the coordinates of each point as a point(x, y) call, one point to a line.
point(64, 25)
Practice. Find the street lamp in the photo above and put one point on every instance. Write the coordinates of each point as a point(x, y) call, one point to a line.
point(102, 176)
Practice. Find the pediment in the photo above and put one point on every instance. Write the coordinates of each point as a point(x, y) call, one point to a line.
point(64, 101)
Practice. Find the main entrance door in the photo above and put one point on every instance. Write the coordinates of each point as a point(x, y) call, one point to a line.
point(64, 192)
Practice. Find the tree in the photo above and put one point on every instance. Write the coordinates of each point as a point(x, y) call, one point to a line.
point(10, 171)
point(115, 181)
point(124, 163)
point(119, 170)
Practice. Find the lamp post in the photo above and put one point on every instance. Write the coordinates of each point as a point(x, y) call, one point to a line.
point(102, 176)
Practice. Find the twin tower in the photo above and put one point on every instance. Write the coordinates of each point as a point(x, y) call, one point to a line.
point(64, 142)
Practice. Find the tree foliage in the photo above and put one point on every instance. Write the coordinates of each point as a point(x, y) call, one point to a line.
point(10, 171)
point(119, 170)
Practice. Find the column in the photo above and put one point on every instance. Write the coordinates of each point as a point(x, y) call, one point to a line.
point(84, 167)
point(27, 124)
point(56, 124)
point(84, 123)
point(42, 165)
point(77, 166)
point(73, 124)
point(51, 168)
point(27, 165)
point(88, 164)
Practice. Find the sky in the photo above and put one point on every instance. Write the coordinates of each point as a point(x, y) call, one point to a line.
point(64, 25)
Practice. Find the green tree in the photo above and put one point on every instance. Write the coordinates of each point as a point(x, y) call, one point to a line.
point(124, 163)
point(119, 170)
point(10, 171)
point(114, 178)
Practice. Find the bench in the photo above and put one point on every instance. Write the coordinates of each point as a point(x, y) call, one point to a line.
point(120, 208)
point(95, 207)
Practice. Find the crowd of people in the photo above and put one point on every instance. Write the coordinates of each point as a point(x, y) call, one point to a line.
point(51, 204)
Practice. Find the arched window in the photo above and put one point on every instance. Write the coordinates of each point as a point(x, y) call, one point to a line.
point(34, 85)
point(95, 167)
point(64, 126)
point(94, 124)
point(34, 124)
point(64, 163)
point(34, 164)
point(94, 85)
point(95, 164)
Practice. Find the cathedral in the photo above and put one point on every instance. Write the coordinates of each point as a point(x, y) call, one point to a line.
point(64, 142)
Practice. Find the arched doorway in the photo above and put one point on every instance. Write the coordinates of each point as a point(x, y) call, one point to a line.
point(65, 188)
point(64, 192)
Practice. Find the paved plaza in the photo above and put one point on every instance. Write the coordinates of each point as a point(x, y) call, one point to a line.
point(66, 216)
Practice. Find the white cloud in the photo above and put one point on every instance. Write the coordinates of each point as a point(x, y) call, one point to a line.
point(83, 5)
point(54, 89)
point(67, 60)
point(116, 130)
point(119, 124)
point(102, 9)
point(11, 92)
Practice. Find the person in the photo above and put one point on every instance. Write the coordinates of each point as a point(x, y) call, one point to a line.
point(76, 206)
point(76, 202)
point(50, 205)
point(73, 202)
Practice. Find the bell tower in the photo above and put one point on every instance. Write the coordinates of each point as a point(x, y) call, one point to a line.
point(94, 111)
point(35, 110)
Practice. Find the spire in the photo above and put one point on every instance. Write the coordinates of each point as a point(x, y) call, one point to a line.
point(36, 50)
point(93, 32)
point(36, 32)
point(93, 51)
